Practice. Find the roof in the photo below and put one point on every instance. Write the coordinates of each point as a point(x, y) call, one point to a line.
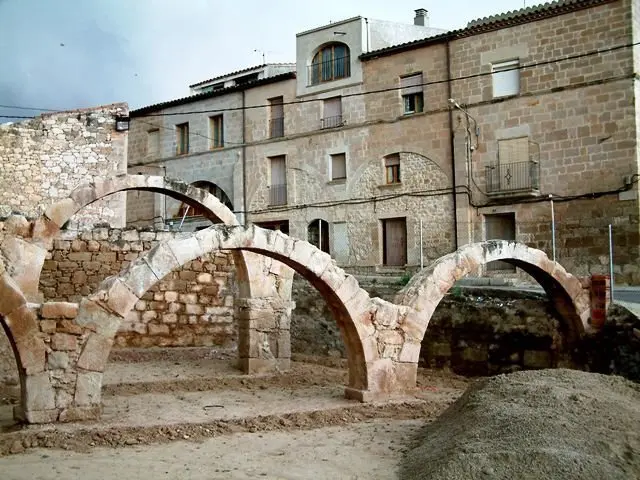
point(216, 93)
point(248, 69)
point(330, 24)
point(493, 22)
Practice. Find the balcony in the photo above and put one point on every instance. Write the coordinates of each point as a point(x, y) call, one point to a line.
point(276, 127)
point(331, 122)
point(519, 179)
point(328, 70)
point(278, 195)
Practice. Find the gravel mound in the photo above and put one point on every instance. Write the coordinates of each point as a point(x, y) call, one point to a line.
point(544, 424)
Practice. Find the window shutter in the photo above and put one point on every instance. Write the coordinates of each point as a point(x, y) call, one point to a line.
point(392, 160)
point(411, 84)
point(332, 107)
point(278, 171)
point(153, 143)
point(513, 150)
point(338, 166)
point(506, 78)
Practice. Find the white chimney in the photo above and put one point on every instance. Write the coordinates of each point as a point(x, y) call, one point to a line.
point(422, 17)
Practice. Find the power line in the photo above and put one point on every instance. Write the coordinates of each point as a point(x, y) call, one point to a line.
point(377, 91)
point(390, 89)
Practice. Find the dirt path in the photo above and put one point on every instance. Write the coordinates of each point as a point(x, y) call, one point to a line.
point(368, 450)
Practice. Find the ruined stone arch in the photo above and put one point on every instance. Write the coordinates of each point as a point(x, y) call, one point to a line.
point(425, 290)
point(351, 305)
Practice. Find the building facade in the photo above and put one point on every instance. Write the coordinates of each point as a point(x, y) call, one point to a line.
point(393, 145)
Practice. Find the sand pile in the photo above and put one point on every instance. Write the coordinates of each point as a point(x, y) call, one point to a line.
point(545, 424)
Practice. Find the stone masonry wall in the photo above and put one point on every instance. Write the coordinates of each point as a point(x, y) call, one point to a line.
point(43, 159)
point(189, 307)
point(471, 334)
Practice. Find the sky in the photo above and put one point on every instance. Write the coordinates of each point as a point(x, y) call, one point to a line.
point(66, 54)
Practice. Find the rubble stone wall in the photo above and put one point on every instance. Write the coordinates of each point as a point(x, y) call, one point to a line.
point(189, 307)
point(43, 159)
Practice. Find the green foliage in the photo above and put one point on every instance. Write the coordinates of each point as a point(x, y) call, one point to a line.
point(405, 278)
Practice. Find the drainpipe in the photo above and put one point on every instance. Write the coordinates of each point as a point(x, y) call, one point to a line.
point(366, 20)
point(451, 146)
point(244, 161)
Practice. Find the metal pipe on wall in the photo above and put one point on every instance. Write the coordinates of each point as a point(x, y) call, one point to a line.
point(611, 281)
point(553, 229)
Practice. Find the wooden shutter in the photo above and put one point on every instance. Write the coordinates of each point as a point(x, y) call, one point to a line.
point(278, 170)
point(332, 107)
point(411, 84)
point(277, 107)
point(338, 166)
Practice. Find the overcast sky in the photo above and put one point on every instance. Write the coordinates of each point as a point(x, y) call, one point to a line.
point(64, 54)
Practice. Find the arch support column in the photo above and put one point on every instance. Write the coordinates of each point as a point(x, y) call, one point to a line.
point(264, 341)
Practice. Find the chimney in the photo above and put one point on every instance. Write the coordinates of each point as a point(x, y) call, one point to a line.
point(422, 17)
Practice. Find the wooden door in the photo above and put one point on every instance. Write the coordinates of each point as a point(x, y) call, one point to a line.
point(395, 241)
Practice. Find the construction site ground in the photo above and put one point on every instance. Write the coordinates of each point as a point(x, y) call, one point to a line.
point(190, 414)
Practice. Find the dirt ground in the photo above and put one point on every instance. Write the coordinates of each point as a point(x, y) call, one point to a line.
point(189, 413)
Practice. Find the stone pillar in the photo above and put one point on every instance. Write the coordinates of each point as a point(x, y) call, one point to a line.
point(264, 342)
point(66, 390)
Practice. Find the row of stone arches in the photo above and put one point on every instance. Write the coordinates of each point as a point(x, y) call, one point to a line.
point(382, 339)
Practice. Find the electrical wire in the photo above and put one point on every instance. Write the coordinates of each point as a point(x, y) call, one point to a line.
point(377, 91)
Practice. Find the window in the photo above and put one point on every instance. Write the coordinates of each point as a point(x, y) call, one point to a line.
point(153, 144)
point(392, 168)
point(412, 97)
point(500, 226)
point(276, 120)
point(338, 166)
point(394, 242)
point(506, 78)
point(278, 187)
point(330, 63)
point(318, 234)
point(216, 128)
point(182, 139)
point(332, 113)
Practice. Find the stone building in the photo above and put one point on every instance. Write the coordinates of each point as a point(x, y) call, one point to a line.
point(360, 149)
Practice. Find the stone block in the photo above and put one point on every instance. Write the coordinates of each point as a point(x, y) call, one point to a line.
point(32, 354)
point(161, 260)
point(48, 326)
point(80, 257)
point(169, 318)
point(94, 316)
point(38, 392)
point(95, 353)
point(62, 211)
point(69, 326)
point(37, 416)
point(205, 278)
point(410, 352)
point(138, 277)
point(63, 342)
point(10, 296)
point(170, 296)
point(155, 329)
point(57, 360)
point(63, 398)
point(185, 249)
point(119, 298)
point(88, 389)
point(59, 310)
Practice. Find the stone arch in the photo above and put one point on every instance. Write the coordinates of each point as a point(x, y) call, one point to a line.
point(210, 187)
point(116, 296)
point(425, 290)
point(45, 228)
point(20, 323)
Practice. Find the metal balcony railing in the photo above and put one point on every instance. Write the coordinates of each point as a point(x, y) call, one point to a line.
point(276, 127)
point(513, 178)
point(328, 70)
point(331, 122)
point(278, 194)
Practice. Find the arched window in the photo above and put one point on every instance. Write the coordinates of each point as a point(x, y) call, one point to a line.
point(214, 190)
point(318, 234)
point(330, 63)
